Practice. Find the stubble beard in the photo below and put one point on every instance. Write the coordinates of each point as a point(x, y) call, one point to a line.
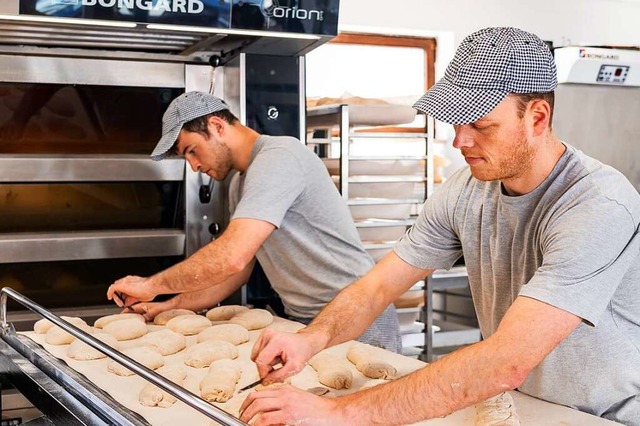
point(515, 163)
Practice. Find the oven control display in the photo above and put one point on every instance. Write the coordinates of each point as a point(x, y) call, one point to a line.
point(614, 74)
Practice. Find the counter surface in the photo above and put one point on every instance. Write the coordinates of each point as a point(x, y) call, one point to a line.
point(125, 390)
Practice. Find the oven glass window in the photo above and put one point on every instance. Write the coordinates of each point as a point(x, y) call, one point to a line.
point(81, 119)
point(74, 283)
point(90, 206)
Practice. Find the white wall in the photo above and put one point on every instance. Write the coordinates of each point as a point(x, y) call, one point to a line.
point(606, 22)
point(564, 22)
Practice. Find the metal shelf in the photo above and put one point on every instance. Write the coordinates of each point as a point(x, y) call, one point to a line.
point(88, 168)
point(385, 179)
point(46, 247)
point(382, 201)
point(383, 223)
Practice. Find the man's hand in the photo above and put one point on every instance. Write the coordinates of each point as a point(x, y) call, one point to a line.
point(290, 350)
point(149, 310)
point(290, 405)
point(130, 290)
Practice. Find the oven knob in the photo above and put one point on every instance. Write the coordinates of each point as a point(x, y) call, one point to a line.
point(272, 113)
point(214, 229)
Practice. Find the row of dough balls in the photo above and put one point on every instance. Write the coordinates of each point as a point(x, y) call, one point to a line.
point(333, 370)
point(216, 343)
point(130, 326)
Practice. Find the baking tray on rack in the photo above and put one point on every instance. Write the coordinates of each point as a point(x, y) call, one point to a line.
point(362, 114)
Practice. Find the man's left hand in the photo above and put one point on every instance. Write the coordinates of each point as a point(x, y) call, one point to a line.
point(289, 405)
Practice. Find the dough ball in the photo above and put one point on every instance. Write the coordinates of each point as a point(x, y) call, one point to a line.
point(165, 342)
point(497, 411)
point(232, 333)
point(226, 312)
point(163, 317)
point(333, 370)
point(101, 322)
point(220, 382)
point(80, 351)
point(144, 355)
point(253, 319)
point(57, 336)
point(44, 325)
point(369, 360)
point(188, 324)
point(126, 329)
point(153, 396)
point(203, 354)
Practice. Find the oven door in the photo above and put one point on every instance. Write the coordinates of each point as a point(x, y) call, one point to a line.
point(81, 203)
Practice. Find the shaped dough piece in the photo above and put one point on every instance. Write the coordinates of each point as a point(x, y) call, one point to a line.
point(144, 355)
point(232, 333)
point(126, 329)
point(44, 325)
point(153, 396)
point(226, 312)
point(80, 351)
point(165, 342)
point(497, 411)
point(253, 319)
point(220, 382)
point(163, 317)
point(188, 324)
point(102, 321)
point(333, 370)
point(57, 336)
point(368, 360)
point(203, 354)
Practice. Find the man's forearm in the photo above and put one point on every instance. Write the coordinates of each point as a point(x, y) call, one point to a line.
point(353, 310)
point(458, 380)
point(214, 263)
point(211, 296)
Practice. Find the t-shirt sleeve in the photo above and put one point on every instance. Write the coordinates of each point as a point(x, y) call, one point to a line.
point(432, 243)
point(586, 253)
point(272, 184)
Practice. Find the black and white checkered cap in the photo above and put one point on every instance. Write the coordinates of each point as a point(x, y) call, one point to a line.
point(183, 109)
point(488, 65)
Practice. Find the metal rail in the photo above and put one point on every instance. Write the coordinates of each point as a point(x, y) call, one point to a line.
point(179, 392)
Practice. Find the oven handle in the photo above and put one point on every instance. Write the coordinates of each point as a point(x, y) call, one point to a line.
point(177, 391)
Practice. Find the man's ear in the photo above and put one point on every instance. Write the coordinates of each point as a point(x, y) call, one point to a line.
point(216, 125)
point(539, 112)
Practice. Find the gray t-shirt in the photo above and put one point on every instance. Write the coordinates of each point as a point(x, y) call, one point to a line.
point(572, 243)
point(287, 185)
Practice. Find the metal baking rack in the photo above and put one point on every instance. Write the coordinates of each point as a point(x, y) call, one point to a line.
point(380, 220)
point(67, 397)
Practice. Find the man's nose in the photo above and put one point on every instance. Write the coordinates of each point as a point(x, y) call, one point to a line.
point(464, 137)
point(195, 166)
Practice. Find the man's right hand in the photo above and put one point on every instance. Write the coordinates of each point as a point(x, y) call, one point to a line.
point(149, 310)
point(292, 350)
point(130, 290)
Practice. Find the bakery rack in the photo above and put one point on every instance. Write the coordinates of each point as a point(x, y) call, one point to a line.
point(385, 191)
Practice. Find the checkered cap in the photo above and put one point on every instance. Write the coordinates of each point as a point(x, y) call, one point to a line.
point(183, 109)
point(488, 65)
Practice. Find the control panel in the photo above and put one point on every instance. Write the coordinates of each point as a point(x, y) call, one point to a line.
point(614, 74)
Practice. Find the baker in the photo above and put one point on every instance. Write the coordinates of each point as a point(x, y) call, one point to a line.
point(285, 212)
point(550, 240)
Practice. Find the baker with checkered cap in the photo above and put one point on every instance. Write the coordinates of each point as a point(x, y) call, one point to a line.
point(551, 242)
point(285, 213)
point(489, 65)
